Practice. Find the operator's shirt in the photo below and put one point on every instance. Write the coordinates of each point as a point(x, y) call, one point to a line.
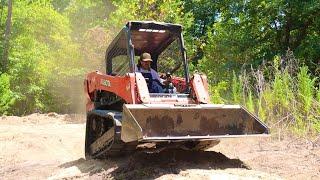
point(154, 73)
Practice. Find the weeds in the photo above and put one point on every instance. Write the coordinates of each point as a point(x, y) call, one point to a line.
point(283, 95)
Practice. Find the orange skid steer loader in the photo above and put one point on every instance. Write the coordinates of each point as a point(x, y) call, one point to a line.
point(125, 114)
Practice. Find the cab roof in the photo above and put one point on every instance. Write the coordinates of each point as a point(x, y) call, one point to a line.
point(146, 36)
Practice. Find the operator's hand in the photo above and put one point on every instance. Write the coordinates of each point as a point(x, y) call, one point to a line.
point(168, 79)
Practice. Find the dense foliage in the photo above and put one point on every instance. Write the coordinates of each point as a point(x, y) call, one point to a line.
point(263, 54)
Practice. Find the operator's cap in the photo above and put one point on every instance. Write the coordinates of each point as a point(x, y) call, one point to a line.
point(145, 57)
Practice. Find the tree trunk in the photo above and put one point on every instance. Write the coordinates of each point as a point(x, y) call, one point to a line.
point(7, 38)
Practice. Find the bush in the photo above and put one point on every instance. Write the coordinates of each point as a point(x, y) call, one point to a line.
point(6, 96)
point(288, 100)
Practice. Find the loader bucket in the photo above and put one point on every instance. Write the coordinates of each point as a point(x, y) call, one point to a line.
point(158, 122)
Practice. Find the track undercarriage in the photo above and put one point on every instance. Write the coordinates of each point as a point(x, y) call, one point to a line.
point(103, 136)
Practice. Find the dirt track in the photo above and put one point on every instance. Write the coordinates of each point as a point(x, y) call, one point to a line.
point(51, 146)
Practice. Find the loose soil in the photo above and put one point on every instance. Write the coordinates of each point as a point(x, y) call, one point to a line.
point(51, 146)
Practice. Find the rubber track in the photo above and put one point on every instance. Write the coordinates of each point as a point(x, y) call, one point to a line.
point(116, 147)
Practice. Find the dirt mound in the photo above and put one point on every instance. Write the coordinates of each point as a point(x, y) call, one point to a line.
point(173, 161)
point(49, 118)
point(168, 164)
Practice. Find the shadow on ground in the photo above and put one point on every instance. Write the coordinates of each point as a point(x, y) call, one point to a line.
point(141, 165)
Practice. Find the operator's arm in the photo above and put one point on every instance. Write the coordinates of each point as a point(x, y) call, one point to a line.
point(156, 76)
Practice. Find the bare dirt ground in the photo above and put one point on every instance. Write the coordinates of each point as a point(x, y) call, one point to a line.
point(50, 146)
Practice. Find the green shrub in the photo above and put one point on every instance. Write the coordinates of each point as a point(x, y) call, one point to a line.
point(216, 92)
point(236, 86)
point(305, 89)
point(282, 94)
point(249, 103)
point(318, 101)
point(261, 110)
point(6, 96)
point(287, 100)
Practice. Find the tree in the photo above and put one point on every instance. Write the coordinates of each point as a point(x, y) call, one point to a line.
point(253, 32)
point(43, 60)
point(204, 14)
point(7, 38)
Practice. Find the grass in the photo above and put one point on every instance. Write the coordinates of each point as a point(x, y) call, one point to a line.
point(286, 97)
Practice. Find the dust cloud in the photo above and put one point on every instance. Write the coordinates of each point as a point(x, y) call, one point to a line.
point(92, 43)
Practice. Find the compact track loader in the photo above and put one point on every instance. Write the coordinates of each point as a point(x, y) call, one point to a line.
point(124, 116)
